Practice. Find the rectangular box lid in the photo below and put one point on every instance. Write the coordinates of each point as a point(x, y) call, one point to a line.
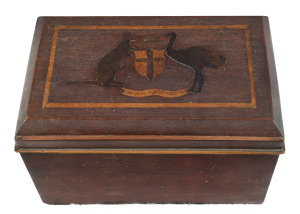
point(151, 85)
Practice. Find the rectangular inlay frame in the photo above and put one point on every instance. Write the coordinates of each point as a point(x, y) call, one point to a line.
point(47, 104)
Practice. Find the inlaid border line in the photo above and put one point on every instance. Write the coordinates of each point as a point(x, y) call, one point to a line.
point(50, 68)
point(151, 27)
point(250, 66)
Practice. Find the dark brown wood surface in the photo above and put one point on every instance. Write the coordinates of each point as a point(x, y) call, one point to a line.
point(119, 178)
point(151, 110)
point(241, 100)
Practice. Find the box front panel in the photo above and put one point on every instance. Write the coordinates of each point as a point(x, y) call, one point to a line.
point(136, 178)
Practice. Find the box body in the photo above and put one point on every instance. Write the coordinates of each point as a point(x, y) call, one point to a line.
point(151, 110)
point(150, 178)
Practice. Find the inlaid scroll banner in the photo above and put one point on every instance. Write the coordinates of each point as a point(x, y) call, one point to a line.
point(154, 92)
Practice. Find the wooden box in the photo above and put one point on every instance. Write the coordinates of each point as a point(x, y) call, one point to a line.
point(151, 110)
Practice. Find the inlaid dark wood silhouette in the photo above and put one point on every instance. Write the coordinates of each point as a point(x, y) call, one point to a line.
point(196, 57)
point(110, 65)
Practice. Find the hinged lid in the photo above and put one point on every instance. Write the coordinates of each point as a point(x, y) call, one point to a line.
point(151, 85)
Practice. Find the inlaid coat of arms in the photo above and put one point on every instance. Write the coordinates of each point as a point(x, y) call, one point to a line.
point(150, 63)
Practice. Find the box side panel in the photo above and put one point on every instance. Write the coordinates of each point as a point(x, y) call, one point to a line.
point(30, 72)
point(125, 178)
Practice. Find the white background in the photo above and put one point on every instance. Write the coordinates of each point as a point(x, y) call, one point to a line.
point(17, 192)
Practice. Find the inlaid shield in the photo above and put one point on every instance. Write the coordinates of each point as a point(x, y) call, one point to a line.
point(150, 63)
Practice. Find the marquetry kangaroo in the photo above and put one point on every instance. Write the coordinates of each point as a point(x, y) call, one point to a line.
point(110, 65)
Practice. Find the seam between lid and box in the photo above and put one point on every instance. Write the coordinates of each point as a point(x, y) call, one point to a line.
point(154, 151)
point(147, 137)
